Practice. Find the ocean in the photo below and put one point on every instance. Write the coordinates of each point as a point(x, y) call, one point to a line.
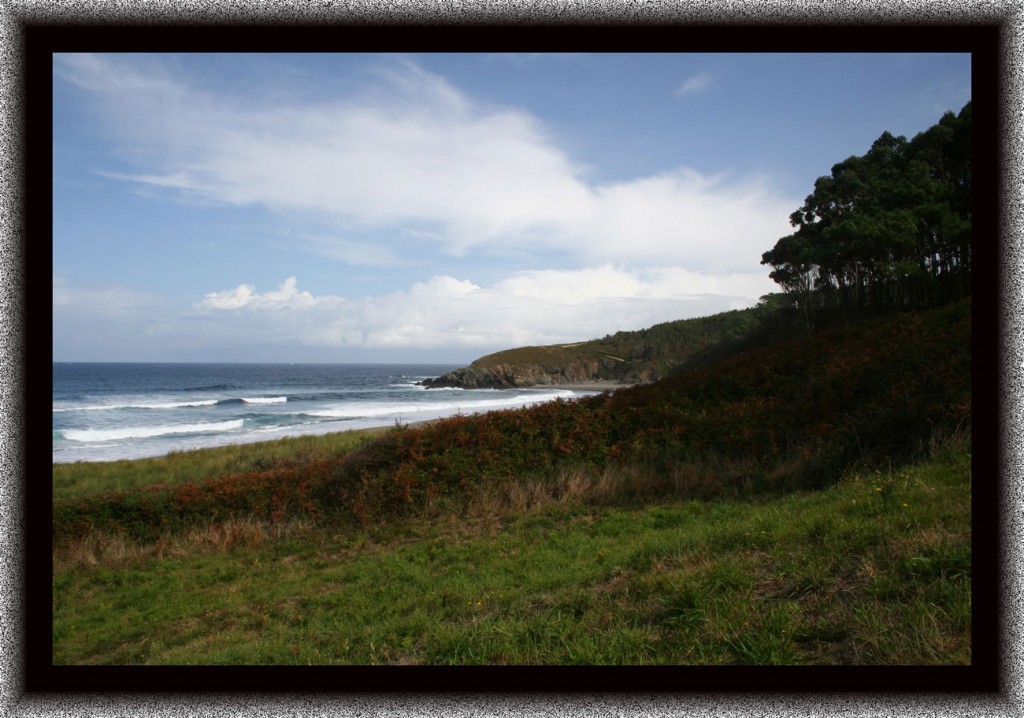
point(110, 411)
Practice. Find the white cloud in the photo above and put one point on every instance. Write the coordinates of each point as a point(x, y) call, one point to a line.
point(608, 283)
point(536, 307)
point(695, 84)
point(420, 158)
point(231, 299)
point(285, 297)
point(542, 307)
point(442, 312)
point(686, 218)
point(444, 286)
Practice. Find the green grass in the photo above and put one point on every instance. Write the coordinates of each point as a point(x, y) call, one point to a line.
point(741, 513)
point(81, 478)
point(874, 569)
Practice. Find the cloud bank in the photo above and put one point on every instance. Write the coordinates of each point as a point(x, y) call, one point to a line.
point(548, 306)
point(442, 312)
point(419, 154)
point(416, 161)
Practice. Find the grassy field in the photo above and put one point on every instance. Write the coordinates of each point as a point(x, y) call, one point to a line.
point(807, 502)
point(872, 570)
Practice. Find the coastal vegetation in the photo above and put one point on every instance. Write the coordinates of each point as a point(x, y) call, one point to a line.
point(628, 357)
point(700, 519)
point(870, 392)
point(875, 569)
point(794, 488)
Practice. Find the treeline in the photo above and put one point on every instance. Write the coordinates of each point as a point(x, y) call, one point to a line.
point(887, 230)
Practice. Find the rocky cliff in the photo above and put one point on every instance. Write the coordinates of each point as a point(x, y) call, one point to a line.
point(504, 376)
point(497, 372)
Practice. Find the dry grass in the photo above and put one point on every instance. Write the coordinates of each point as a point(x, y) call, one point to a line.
point(844, 575)
point(483, 509)
point(601, 487)
point(491, 501)
point(115, 550)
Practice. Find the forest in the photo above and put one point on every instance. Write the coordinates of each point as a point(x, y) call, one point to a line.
point(887, 230)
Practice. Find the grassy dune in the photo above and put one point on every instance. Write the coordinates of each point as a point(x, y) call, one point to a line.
point(808, 502)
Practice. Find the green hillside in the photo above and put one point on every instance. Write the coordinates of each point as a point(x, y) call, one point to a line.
point(629, 357)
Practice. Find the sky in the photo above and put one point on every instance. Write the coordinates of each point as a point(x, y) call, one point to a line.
point(438, 207)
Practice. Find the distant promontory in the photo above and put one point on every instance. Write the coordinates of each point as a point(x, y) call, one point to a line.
point(635, 357)
point(551, 366)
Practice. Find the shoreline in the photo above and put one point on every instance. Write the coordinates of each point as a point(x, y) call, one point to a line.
point(598, 385)
point(595, 386)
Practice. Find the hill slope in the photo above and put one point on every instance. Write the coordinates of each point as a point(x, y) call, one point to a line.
point(629, 357)
point(795, 414)
point(876, 570)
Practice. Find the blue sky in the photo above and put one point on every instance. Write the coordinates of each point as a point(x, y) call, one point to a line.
point(373, 207)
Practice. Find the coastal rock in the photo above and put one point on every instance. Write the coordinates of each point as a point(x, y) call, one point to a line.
point(502, 376)
point(507, 376)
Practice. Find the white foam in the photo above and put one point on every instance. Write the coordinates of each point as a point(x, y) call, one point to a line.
point(141, 432)
point(162, 405)
point(265, 399)
point(359, 410)
point(432, 390)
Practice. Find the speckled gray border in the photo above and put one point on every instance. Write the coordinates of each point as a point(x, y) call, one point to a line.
point(16, 703)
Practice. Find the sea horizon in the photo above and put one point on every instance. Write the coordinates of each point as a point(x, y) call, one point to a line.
point(271, 363)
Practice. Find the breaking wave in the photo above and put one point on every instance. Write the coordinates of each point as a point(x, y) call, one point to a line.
point(142, 432)
point(147, 405)
point(361, 410)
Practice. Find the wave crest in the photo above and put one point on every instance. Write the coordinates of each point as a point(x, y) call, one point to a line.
point(366, 410)
point(149, 405)
point(142, 432)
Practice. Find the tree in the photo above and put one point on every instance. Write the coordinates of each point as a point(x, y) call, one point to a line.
point(890, 229)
